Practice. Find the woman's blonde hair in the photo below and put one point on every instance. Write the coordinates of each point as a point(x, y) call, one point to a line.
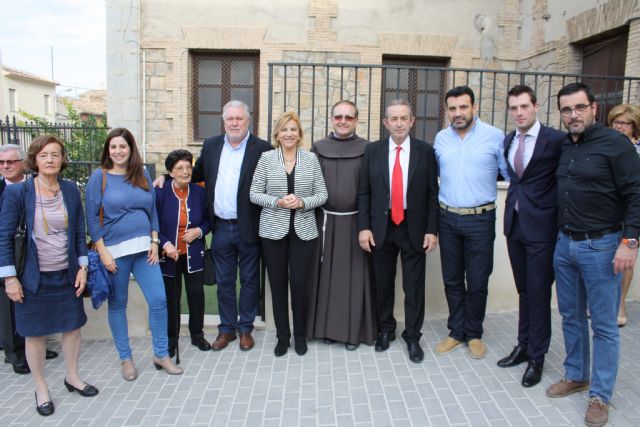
point(282, 120)
point(632, 111)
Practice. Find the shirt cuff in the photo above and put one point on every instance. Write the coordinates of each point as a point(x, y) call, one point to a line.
point(83, 260)
point(7, 271)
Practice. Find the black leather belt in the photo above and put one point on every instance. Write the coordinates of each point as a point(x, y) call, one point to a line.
point(228, 221)
point(591, 235)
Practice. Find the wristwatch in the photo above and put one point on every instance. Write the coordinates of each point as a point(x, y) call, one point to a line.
point(631, 243)
point(156, 241)
point(84, 267)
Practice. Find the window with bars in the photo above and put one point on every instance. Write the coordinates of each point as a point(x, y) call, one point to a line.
point(422, 89)
point(606, 57)
point(219, 77)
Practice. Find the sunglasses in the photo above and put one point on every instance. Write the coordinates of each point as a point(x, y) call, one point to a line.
point(340, 117)
point(9, 162)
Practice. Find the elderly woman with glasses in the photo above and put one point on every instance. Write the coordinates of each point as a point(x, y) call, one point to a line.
point(625, 118)
point(47, 290)
point(183, 224)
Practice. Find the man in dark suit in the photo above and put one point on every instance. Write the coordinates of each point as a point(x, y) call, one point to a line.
point(398, 212)
point(12, 171)
point(532, 152)
point(226, 165)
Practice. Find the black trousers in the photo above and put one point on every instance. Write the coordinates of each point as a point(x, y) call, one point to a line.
point(532, 265)
point(195, 300)
point(288, 262)
point(385, 258)
point(12, 343)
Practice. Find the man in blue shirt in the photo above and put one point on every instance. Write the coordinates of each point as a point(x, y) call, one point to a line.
point(469, 156)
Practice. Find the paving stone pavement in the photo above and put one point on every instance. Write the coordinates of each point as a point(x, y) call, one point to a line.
point(329, 386)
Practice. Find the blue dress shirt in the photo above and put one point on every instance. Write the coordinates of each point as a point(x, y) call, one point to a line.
point(225, 203)
point(469, 167)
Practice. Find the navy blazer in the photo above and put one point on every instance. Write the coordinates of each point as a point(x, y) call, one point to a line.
point(20, 197)
point(206, 169)
point(536, 190)
point(374, 193)
point(168, 207)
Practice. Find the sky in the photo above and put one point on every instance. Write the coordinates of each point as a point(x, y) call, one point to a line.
point(75, 29)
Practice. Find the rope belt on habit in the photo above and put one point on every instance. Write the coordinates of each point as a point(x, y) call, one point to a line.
point(324, 224)
point(469, 211)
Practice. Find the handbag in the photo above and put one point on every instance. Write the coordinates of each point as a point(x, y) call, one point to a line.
point(20, 245)
point(209, 276)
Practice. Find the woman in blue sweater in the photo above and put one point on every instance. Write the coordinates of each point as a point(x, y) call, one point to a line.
point(123, 223)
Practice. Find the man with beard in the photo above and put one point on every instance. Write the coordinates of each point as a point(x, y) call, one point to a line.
point(343, 304)
point(469, 154)
point(599, 221)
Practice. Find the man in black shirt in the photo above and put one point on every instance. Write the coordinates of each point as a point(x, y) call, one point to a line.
point(599, 221)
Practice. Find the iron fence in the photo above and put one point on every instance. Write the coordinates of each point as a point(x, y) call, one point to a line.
point(311, 89)
point(83, 144)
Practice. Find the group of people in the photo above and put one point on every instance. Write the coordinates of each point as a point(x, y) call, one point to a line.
point(329, 224)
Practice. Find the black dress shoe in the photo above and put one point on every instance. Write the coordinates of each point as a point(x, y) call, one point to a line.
point(533, 374)
point(87, 391)
point(351, 347)
point(383, 339)
point(46, 408)
point(51, 355)
point(281, 348)
point(416, 355)
point(20, 367)
point(300, 344)
point(201, 343)
point(328, 341)
point(517, 356)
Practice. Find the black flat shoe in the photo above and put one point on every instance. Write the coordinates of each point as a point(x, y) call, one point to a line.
point(87, 391)
point(281, 348)
point(46, 408)
point(351, 347)
point(21, 368)
point(532, 375)
point(300, 345)
point(50, 354)
point(517, 356)
point(416, 355)
point(383, 340)
point(201, 343)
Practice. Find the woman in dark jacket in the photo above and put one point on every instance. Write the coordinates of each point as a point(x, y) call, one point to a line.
point(47, 294)
point(183, 225)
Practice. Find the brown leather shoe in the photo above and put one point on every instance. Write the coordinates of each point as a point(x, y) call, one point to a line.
point(597, 413)
point(246, 341)
point(223, 340)
point(129, 372)
point(566, 387)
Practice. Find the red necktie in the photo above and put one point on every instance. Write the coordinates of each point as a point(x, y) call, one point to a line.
point(397, 205)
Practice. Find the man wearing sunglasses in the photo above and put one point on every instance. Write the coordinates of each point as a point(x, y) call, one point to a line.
point(343, 304)
point(12, 172)
point(599, 221)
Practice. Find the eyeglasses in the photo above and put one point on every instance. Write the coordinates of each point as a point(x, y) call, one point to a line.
point(579, 109)
point(9, 162)
point(341, 117)
point(614, 123)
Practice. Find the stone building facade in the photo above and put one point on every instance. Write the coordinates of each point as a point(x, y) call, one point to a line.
point(154, 48)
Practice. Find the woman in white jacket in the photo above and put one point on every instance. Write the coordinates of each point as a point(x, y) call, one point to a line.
point(289, 185)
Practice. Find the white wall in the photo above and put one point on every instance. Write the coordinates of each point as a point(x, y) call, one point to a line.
point(30, 98)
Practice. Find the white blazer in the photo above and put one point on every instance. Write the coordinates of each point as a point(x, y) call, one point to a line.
point(270, 184)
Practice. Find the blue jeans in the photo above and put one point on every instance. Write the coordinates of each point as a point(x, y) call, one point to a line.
point(230, 251)
point(150, 280)
point(585, 278)
point(466, 251)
